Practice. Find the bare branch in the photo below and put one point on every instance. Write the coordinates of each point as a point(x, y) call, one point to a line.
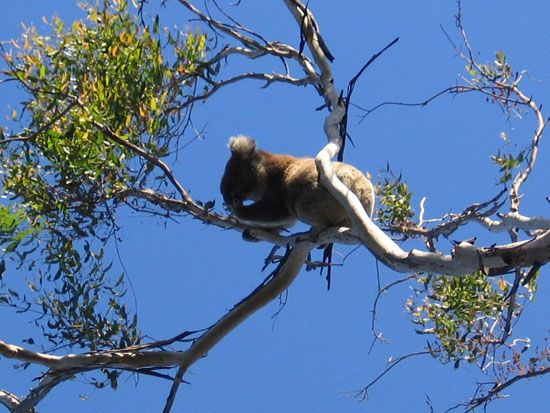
point(364, 392)
point(452, 90)
point(268, 78)
point(515, 220)
point(524, 174)
point(386, 288)
point(264, 294)
point(475, 212)
point(504, 89)
point(231, 30)
point(225, 222)
point(41, 391)
point(499, 387)
point(465, 258)
point(254, 47)
point(121, 358)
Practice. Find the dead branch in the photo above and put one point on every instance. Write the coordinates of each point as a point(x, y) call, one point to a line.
point(475, 212)
point(464, 259)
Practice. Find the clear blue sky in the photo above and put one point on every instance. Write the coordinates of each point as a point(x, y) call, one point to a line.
point(186, 275)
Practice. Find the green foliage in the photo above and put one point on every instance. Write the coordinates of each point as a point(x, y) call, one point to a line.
point(497, 80)
point(395, 202)
point(499, 71)
point(15, 230)
point(508, 163)
point(111, 72)
point(61, 173)
point(464, 314)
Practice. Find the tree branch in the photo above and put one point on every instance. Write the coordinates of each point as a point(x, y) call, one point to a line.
point(499, 387)
point(256, 48)
point(9, 400)
point(268, 78)
point(135, 357)
point(120, 358)
point(464, 259)
point(282, 278)
point(504, 88)
point(364, 392)
point(515, 220)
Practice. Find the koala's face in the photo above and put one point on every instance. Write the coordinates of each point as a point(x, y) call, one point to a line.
point(239, 181)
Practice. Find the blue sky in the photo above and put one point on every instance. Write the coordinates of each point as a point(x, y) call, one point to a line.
point(186, 275)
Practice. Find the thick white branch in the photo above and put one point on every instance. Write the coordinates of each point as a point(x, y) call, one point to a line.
point(8, 400)
point(465, 258)
point(263, 295)
point(524, 174)
point(254, 49)
point(515, 220)
point(117, 359)
point(135, 358)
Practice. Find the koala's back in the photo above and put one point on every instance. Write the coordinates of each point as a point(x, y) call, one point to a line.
point(313, 204)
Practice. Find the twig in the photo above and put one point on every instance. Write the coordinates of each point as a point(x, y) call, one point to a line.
point(378, 336)
point(510, 88)
point(452, 90)
point(499, 387)
point(363, 393)
point(268, 78)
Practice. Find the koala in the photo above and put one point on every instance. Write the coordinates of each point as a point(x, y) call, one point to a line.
point(285, 188)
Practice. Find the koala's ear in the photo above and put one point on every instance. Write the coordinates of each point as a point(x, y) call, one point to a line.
point(242, 146)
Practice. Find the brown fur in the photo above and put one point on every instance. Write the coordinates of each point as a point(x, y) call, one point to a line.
point(286, 188)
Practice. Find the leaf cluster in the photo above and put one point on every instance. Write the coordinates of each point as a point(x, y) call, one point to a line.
point(466, 315)
point(394, 198)
point(508, 163)
point(498, 71)
point(61, 172)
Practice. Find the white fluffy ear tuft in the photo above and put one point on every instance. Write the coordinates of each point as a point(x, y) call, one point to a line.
point(242, 145)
